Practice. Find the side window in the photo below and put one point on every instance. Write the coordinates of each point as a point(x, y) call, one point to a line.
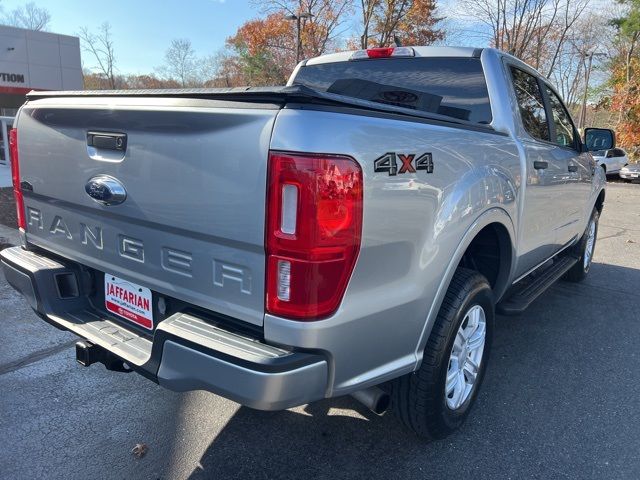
point(565, 135)
point(617, 152)
point(531, 105)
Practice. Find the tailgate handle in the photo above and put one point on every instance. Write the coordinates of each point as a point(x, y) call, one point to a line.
point(107, 141)
point(539, 165)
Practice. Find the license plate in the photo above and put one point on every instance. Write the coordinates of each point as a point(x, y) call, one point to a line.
point(128, 300)
point(635, 175)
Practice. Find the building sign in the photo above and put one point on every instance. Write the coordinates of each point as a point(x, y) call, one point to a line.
point(12, 77)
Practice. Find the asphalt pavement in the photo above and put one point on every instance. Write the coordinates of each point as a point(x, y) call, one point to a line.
point(561, 399)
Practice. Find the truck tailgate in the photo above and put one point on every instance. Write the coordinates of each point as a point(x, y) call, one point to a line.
point(194, 171)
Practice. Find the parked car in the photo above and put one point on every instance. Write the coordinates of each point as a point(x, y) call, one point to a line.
point(630, 171)
point(612, 160)
point(353, 232)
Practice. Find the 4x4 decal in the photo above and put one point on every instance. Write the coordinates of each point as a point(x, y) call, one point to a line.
point(389, 163)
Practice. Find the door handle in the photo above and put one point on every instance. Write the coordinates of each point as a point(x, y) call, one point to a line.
point(573, 168)
point(107, 141)
point(538, 165)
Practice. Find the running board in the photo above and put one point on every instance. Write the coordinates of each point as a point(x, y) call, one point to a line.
point(531, 287)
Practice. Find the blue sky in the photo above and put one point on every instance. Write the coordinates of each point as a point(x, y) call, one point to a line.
point(143, 29)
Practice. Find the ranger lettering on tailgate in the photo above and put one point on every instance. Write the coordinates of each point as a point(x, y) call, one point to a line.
point(172, 260)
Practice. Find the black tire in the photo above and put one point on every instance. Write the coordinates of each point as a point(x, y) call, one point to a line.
point(418, 399)
point(579, 271)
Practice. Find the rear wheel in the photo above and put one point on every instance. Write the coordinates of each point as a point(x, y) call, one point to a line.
point(435, 400)
point(585, 250)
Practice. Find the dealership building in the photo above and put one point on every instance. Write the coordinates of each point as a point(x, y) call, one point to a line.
point(36, 61)
point(31, 60)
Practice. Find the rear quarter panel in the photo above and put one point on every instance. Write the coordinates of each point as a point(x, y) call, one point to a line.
point(413, 229)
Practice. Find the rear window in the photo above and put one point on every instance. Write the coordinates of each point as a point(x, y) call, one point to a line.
point(454, 87)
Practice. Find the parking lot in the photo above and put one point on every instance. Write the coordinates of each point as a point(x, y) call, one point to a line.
point(561, 399)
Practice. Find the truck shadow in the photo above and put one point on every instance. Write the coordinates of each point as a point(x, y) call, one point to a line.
point(313, 441)
point(551, 368)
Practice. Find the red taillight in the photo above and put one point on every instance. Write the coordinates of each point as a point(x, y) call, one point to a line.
point(15, 175)
point(314, 224)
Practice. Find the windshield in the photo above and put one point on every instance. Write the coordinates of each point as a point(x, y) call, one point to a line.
point(454, 87)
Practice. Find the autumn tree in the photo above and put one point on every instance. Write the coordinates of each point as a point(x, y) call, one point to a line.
point(412, 22)
point(146, 81)
point(322, 21)
point(420, 24)
point(625, 75)
point(97, 81)
point(628, 27)
point(367, 9)
point(94, 81)
point(263, 51)
point(225, 70)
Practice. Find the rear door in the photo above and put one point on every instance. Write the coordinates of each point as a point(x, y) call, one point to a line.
point(546, 174)
point(194, 171)
point(577, 184)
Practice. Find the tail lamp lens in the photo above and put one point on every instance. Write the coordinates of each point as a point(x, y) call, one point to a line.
point(314, 225)
point(15, 175)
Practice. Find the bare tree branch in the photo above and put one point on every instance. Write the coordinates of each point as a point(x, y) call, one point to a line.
point(100, 46)
point(180, 63)
point(30, 17)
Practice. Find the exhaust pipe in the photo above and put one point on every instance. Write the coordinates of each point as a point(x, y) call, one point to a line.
point(374, 398)
point(88, 353)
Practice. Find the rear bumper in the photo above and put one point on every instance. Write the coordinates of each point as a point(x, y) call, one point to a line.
point(184, 353)
point(629, 176)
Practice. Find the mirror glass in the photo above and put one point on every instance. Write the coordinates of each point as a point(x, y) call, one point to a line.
point(599, 139)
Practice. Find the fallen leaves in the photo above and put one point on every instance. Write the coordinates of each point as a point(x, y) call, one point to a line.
point(140, 450)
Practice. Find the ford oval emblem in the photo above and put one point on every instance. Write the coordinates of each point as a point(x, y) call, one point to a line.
point(106, 190)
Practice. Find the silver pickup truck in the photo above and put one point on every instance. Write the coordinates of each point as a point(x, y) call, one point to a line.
point(353, 232)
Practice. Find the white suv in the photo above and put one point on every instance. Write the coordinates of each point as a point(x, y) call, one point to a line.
point(611, 160)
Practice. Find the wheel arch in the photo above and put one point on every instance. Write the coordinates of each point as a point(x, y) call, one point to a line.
point(490, 253)
point(600, 201)
point(493, 222)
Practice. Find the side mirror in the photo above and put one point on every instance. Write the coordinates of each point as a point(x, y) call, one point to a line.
point(599, 139)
